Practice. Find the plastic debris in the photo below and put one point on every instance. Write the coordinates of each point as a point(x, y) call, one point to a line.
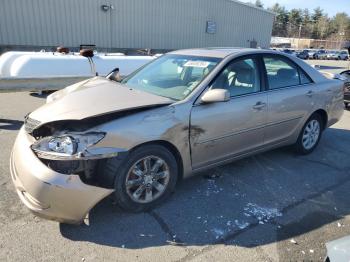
point(293, 241)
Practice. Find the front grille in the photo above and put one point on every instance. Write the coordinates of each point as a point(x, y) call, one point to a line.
point(30, 124)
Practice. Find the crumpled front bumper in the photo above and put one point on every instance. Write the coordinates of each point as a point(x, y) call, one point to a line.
point(49, 194)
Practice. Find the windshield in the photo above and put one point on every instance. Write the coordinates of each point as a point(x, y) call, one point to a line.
point(172, 76)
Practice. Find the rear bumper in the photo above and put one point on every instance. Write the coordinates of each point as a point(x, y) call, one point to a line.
point(49, 194)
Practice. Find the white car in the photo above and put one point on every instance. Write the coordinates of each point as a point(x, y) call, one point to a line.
point(338, 55)
point(343, 55)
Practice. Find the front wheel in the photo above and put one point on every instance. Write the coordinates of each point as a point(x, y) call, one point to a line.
point(310, 135)
point(145, 179)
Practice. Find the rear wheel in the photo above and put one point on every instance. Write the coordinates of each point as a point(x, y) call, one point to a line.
point(310, 135)
point(145, 179)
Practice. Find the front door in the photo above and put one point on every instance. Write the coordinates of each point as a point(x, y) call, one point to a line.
point(220, 131)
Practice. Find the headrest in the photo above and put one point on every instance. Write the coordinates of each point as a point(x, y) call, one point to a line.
point(286, 73)
point(245, 75)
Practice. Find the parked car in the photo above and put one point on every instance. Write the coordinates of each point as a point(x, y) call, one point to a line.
point(320, 54)
point(312, 53)
point(338, 55)
point(332, 55)
point(304, 54)
point(343, 55)
point(290, 52)
point(346, 75)
point(182, 113)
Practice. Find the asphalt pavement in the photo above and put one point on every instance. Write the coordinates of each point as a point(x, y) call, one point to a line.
point(275, 206)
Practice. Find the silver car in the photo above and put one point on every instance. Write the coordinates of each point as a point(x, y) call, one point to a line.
point(183, 113)
point(338, 55)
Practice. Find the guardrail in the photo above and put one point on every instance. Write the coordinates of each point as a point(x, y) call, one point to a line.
point(11, 84)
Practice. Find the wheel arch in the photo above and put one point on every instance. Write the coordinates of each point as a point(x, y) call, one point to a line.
point(172, 148)
point(324, 116)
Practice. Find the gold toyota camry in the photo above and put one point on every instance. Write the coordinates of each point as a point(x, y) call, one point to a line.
point(184, 112)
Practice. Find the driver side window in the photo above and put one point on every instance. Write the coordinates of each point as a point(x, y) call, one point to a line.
point(239, 77)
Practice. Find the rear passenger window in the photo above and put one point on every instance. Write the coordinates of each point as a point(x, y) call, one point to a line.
point(280, 73)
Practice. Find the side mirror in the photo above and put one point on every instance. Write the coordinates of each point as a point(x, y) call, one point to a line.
point(216, 95)
point(115, 75)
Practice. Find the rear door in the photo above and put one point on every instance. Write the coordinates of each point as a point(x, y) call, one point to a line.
point(220, 131)
point(290, 97)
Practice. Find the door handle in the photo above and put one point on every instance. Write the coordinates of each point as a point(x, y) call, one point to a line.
point(310, 93)
point(259, 105)
point(105, 7)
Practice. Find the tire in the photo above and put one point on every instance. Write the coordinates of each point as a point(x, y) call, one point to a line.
point(301, 146)
point(125, 195)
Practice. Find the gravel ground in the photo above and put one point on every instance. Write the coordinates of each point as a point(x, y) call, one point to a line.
point(275, 206)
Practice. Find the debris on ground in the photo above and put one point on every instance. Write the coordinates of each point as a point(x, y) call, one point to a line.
point(241, 225)
point(263, 214)
point(218, 233)
point(293, 241)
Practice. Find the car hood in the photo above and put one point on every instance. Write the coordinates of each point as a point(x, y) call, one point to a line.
point(94, 97)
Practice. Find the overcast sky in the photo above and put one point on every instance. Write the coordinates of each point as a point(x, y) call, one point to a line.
point(329, 6)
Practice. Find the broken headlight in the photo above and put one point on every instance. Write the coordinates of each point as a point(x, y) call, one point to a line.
point(67, 146)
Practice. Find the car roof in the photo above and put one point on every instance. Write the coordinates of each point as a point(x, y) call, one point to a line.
point(219, 52)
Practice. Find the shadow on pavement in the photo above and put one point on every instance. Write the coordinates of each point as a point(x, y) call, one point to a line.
point(42, 94)
point(279, 194)
point(8, 124)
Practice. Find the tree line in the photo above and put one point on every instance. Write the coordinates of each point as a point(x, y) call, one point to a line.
point(303, 23)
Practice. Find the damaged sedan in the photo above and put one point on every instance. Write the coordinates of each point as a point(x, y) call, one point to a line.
point(182, 113)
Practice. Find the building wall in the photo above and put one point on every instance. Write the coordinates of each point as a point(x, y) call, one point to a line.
point(156, 24)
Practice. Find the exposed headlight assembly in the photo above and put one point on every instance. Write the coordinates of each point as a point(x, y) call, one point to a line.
point(67, 146)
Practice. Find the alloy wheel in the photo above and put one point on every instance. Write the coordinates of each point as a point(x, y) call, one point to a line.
point(311, 134)
point(147, 179)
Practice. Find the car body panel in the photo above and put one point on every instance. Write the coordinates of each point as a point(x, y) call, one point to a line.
point(114, 98)
point(203, 135)
point(339, 250)
point(47, 193)
point(288, 108)
point(241, 128)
